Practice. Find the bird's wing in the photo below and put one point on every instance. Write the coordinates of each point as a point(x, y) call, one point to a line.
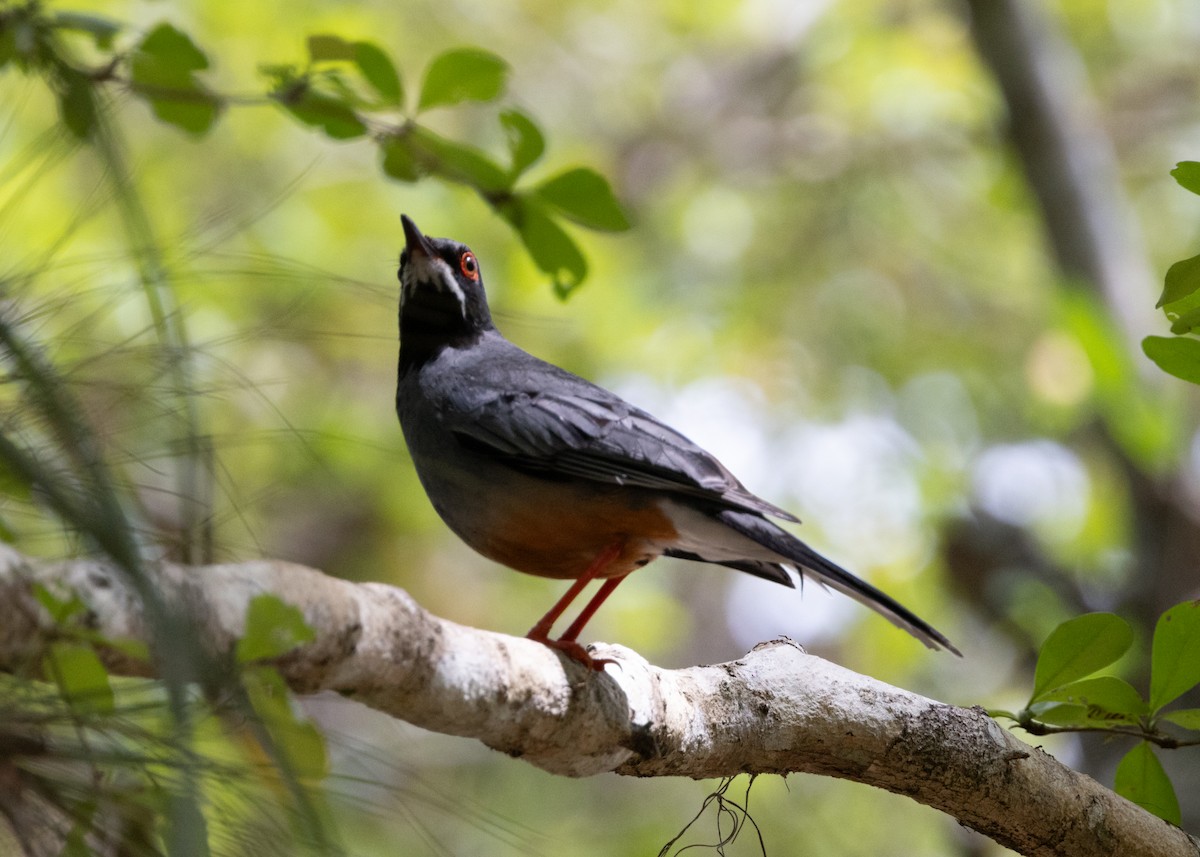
point(543, 419)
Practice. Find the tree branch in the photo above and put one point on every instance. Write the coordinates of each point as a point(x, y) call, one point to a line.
point(777, 710)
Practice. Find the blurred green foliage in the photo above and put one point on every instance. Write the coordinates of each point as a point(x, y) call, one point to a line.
point(837, 282)
point(1180, 355)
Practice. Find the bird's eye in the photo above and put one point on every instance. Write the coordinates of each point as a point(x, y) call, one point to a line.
point(469, 266)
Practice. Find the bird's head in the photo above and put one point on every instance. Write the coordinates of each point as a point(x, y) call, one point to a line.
point(441, 289)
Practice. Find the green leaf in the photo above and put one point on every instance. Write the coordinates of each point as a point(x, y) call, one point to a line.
point(1188, 718)
point(60, 608)
point(77, 103)
point(376, 66)
point(1183, 322)
point(1182, 279)
point(457, 161)
point(194, 116)
point(1140, 778)
point(584, 196)
point(332, 116)
point(166, 57)
point(102, 30)
point(323, 47)
point(550, 247)
point(1106, 700)
point(1176, 356)
point(80, 676)
point(1059, 713)
point(273, 628)
point(525, 141)
point(399, 161)
point(1175, 659)
point(128, 646)
point(13, 484)
point(162, 70)
point(8, 45)
point(1187, 173)
point(296, 737)
point(1079, 647)
point(463, 74)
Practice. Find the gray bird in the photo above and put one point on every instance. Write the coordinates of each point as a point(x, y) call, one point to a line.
point(552, 475)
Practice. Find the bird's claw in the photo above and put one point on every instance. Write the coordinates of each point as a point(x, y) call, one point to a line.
point(576, 652)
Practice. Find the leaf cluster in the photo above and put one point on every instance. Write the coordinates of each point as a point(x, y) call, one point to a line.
point(347, 90)
point(251, 744)
point(1179, 355)
point(1068, 697)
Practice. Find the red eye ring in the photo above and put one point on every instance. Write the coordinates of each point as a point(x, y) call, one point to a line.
point(469, 265)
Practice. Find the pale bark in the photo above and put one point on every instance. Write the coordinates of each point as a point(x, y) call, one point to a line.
point(777, 710)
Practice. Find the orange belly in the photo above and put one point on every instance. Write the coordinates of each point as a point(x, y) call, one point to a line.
point(557, 529)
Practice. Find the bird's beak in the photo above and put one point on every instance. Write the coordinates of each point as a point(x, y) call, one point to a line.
point(416, 243)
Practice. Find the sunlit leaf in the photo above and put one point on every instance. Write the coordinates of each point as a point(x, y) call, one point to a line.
point(550, 247)
point(128, 646)
point(319, 110)
point(1187, 173)
point(377, 67)
point(60, 607)
point(77, 103)
point(162, 70)
point(1188, 718)
point(273, 628)
point(1175, 660)
point(1059, 713)
point(1140, 778)
point(457, 161)
point(323, 47)
point(399, 161)
point(1106, 700)
point(525, 141)
point(174, 54)
point(585, 196)
point(1184, 322)
point(102, 30)
point(80, 676)
point(1178, 356)
point(463, 74)
point(1079, 647)
point(296, 737)
point(1182, 279)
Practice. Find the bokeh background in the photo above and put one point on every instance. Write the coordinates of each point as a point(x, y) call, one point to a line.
point(842, 277)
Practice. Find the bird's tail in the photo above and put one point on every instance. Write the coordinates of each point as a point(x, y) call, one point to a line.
point(808, 561)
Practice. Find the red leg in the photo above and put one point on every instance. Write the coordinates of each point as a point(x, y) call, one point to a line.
point(541, 631)
point(605, 590)
point(567, 644)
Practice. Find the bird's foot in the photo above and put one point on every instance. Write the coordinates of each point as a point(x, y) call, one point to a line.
point(574, 650)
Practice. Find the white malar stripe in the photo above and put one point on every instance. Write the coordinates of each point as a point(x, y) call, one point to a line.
point(436, 271)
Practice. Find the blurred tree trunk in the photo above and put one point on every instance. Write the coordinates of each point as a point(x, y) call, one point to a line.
point(1068, 158)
